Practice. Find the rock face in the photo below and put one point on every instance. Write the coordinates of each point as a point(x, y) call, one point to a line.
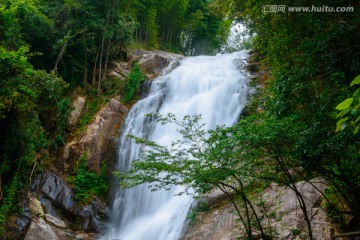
point(289, 218)
point(51, 212)
point(99, 139)
point(288, 222)
point(41, 230)
point(152, 63)
point(78, 108)
point(56, 196)
point(18, 226)
point(219, 224)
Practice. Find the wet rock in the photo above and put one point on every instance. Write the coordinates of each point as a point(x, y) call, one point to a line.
point(93, 216)
point(78, 108)
point(253, 68)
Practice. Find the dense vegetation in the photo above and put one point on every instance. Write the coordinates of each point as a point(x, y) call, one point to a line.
point(291, 134)
point(49, 48)
point(87, 184)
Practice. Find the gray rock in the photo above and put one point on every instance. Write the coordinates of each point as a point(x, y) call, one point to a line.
point(60, 199)
point(152, 63)
point(48, 207)
point(56, 190)
point(55, 221)
point(16, 227)
point(40, 230)
point(93, 216)
point(219, 223)
point(71, 154)
point(78, 108)
point(282, 201)
point(100, 136)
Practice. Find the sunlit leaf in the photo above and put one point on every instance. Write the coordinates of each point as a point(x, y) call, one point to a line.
point(355, 81)
point(356, 130)
point(340, 124)
point(343, 112)
point(345, 104)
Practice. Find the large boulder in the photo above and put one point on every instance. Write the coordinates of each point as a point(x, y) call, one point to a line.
point(41, 230)
point(53, 188)
point(98, 141)
point(61, 209)
point(78, 108)
point(288, 220)
point(152, 63)
point(16, 227)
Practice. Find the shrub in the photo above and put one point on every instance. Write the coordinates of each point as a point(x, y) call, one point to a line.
point(133, 83)
point(88, 184)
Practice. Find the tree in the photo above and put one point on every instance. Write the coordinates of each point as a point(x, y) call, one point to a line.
point(349, 110)
point(24, 94)
point(201, 161)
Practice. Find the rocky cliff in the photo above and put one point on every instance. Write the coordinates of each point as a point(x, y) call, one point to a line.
point(285, 218)
point(50, 210)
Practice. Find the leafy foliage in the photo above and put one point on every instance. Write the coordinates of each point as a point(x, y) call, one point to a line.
point(88, 184)
point(223, 159)
point(133, 83)
point(49, 47)
point(349, 109)
point(311, 56)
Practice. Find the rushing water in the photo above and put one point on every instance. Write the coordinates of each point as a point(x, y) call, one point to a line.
point(211, 86)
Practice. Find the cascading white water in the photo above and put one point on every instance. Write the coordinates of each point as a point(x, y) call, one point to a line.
point(212, 86)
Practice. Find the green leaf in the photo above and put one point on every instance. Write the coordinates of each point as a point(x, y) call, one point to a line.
point(343, 112)
point(355, 81)
point(356, 130)
point(340, 125)
point(345, 104)
point(356, 92)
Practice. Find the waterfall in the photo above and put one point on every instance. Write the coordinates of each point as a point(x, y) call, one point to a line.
point(212, 86)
